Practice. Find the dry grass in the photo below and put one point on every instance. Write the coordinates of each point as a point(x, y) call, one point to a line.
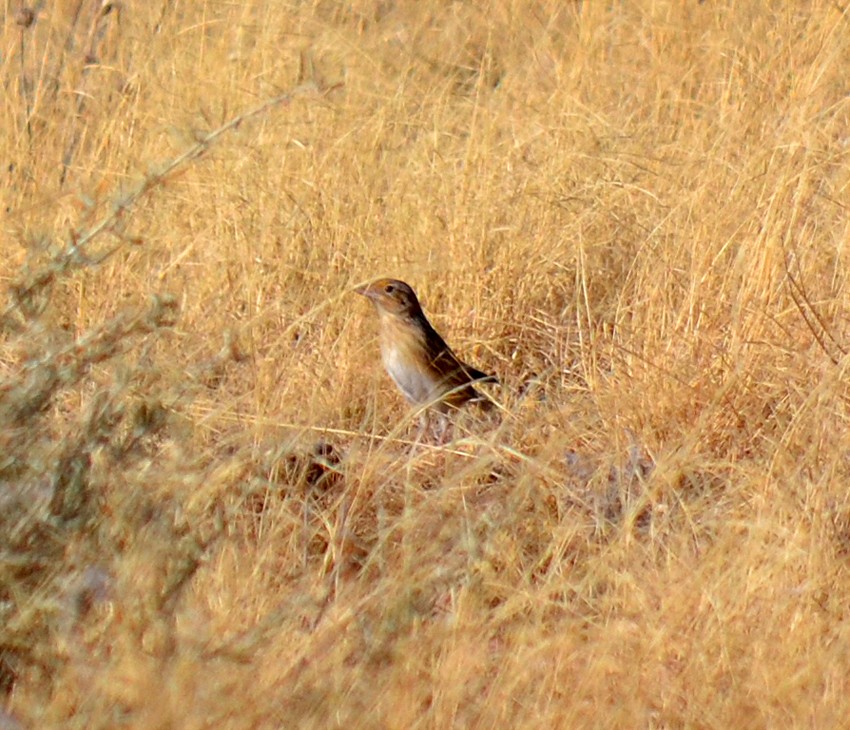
point(635, 213)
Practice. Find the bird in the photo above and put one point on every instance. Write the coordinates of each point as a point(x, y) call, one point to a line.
point(422, 365)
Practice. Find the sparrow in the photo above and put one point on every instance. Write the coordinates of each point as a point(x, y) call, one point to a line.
point(418, 360)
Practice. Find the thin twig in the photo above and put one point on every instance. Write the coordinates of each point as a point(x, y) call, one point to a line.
point(809, 314)
point(62, 56)
point(25, 19)
point(89, 59)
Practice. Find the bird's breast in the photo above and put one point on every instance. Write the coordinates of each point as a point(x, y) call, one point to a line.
point(406, 362)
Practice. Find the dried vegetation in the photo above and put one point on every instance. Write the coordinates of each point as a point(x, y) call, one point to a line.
point(211, 511)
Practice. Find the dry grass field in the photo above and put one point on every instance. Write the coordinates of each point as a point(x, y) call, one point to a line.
point(214, 512)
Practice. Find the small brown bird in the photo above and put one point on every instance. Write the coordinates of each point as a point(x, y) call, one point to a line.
point(422, 365)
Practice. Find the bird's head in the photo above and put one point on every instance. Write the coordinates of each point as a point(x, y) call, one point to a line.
point(392, 296)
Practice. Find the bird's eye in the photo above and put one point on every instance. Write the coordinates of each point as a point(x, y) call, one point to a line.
point(389, 288)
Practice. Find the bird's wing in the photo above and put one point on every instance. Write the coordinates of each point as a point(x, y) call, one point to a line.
point(450, 368)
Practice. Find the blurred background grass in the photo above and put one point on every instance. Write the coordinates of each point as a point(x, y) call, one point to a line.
point(635, 213)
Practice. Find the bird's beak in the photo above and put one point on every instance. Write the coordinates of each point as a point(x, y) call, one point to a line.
point(365, 291)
